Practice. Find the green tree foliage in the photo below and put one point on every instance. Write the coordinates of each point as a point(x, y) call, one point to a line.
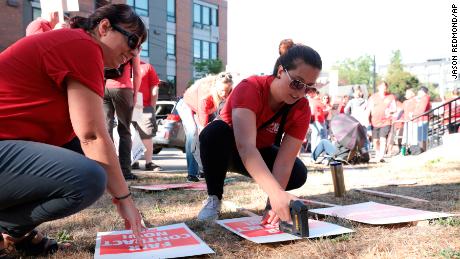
point(355, 71)
point(209, 66)
point(398, 79)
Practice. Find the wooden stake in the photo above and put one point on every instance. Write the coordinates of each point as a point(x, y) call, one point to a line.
point(390, 195)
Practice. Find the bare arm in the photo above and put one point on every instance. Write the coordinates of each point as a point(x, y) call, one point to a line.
point(154, 95)
point(87, 117)
point(285, 159)
point(137, 77)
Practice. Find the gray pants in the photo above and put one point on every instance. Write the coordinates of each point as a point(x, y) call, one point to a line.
point(40, 183)
point(120, 101)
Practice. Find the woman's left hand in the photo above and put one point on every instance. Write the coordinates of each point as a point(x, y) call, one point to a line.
point(132, 217)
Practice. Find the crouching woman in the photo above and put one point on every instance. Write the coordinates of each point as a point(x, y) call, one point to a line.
point(257, 112)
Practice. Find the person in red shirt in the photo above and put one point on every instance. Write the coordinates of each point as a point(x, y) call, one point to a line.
point(200, 102)
point(120, 96)
point(248, 140)
point(318, 119)
point(381, 107)
point(45, 173)
point(422, 105)
point(147, 127)
point(43, 24)
point(452, 112)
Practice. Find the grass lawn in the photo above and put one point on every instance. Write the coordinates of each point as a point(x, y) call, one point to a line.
point(437, 179)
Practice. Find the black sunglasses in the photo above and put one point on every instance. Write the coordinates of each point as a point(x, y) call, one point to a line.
point(226, 75)
point(297, 84)
point(133, 39)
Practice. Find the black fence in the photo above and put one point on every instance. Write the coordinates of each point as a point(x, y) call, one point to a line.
point(433, 124)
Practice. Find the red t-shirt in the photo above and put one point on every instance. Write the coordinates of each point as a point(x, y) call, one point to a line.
point(381, 109)
point(317, 110)
point(38, 25)
point(422, 105)
point(33, 90)
point(149, 81)
point(124, 81)
point(253, 94)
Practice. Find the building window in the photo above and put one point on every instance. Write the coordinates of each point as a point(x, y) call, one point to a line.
point(204, 16)
point(171, 10)
point(171, 44)
point(36, 12)
point(214, 17)
point(197, 49)
point(204, 49)
point(213, 50)
point(145, 48)
point(141, 7)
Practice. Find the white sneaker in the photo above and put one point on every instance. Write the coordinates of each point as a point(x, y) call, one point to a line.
point(211, 209)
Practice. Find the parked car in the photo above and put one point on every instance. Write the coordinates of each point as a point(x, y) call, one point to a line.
point(170, 131)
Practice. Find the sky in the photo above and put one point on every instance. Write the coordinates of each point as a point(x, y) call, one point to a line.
point(337, 29)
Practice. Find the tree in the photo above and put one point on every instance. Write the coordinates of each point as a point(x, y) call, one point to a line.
point(357, 71)
point(398, 79)
point(209, 66)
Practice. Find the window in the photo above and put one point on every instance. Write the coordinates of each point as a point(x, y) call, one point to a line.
point(140, 6)
point(214, 17)
point(213, 50)
point(204, 49)
point(196, 48)
point(145, 48)
point(36, 12)
point(171, 44)
point(203, 15)
point(171, 10)
point(196, 13)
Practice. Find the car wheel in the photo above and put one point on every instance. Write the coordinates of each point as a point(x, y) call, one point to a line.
point(157, 149)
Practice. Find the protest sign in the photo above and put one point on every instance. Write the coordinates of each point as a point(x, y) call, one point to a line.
point(163, 242)
point(251, 229)
point(378, 214)
point(168, 186)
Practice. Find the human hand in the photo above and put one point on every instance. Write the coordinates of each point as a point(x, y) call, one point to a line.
point(132, 218)
point(279, 202)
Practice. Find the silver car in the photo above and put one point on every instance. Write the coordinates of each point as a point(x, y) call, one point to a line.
point(170, 131)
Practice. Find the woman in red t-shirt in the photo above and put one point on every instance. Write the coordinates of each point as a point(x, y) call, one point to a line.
point(51, 89)
point(255, 115)
point(200, 102)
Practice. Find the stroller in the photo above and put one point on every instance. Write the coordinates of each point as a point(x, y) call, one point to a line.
point(351, 139)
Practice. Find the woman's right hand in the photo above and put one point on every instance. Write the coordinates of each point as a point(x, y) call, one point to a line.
point(132, 217)
point(279, 202)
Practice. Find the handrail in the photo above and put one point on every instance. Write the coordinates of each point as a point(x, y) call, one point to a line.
point(433, 109)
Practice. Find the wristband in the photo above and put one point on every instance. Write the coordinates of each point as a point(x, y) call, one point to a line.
point(122, 197)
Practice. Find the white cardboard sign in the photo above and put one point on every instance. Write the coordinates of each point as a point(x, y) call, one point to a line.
point(378, 214)
point(162, 242)
point(250, 229)
point(160, 187)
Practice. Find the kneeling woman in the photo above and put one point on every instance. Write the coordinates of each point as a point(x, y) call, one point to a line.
point(254, 117)
point(51, 89)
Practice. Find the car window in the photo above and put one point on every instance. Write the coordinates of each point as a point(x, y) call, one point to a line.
point(164, 109)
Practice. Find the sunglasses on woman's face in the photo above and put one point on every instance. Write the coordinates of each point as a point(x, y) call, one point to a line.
point(133, 39)
point(297, 84)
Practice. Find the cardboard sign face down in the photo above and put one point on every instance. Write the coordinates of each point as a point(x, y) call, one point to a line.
point(378, 214)
point(163, 242)
point(167, 186)
point(250, 229)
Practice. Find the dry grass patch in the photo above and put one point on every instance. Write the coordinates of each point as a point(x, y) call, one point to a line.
point(438, 180)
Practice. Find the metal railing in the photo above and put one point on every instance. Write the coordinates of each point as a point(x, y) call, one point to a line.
point(433, 124)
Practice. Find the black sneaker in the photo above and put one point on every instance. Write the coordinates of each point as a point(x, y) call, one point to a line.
point(192, 179)
point(130, 177)
point(201, 175)
point(135, 165)
point(152, 167)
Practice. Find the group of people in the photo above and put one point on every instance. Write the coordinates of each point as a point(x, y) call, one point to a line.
point(57, 156)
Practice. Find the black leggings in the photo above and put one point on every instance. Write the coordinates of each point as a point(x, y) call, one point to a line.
point(219, 154)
